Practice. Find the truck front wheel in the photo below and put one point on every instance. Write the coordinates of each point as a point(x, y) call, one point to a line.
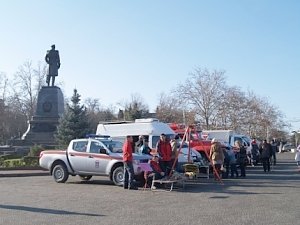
point(60, 173)
point(118, 176)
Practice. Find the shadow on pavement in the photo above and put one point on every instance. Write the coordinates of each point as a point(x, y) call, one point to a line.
point(42, 210)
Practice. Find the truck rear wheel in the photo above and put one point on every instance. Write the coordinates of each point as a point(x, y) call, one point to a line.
point(60, 173)
point(118, 176)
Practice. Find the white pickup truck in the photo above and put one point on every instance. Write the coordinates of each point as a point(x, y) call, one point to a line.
point(88, 157)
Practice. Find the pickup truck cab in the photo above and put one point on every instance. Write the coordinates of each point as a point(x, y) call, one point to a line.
point(88, 157)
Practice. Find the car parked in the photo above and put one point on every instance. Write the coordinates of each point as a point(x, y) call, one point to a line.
point(87, 157)
point(287, 147)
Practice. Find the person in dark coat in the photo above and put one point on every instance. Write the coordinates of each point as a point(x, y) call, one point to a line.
point(241, 157)
point(145, 149)
point(232, 163)
point(254, 152)
point(265, 150)
point(274, 151)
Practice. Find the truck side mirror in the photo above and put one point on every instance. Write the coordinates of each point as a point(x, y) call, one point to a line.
point(103, 151)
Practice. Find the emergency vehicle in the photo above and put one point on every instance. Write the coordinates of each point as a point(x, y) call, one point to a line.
point(88, 157)
point(193, 137)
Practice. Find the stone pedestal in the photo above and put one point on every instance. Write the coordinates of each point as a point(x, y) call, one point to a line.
point(43, 125)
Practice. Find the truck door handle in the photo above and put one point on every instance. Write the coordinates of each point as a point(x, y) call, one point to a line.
point(72, 155)
point(90, 156)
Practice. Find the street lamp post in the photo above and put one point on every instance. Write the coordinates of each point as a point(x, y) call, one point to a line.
point(297, 137)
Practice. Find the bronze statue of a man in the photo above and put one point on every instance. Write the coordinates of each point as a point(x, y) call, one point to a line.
point(52, 58)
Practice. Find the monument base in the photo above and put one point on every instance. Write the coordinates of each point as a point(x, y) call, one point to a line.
point(41, 130)
point(42, 126)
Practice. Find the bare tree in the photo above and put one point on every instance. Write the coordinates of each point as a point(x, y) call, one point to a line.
point(136, 108)
point(220, 106)
point(231, 111)
point(28, 82)
point(203, 92)
point(12, 121)
point(97, 113)
point(171, 110)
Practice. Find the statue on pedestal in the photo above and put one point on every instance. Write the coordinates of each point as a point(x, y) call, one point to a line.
point(52, 58)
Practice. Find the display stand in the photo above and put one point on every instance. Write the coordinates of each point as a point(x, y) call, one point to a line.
point(171, 181)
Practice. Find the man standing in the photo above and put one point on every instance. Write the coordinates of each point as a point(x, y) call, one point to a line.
point(52, 58)
point(128, 166)
point(254, 152)
point(265, 155)
point(274, 151)
point(241, 156)
point(165, 151)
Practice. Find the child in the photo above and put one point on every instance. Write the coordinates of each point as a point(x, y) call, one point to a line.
point(297, 157)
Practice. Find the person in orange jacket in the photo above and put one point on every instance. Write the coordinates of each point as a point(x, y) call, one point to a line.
point(164, 150)
point(128, 166)
point(154, 163)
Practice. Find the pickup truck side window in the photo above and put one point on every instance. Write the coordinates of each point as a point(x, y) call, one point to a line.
point(95, 147)
point(80, 146)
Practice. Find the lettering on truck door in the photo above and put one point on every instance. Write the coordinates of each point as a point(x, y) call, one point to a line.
point(97, 161)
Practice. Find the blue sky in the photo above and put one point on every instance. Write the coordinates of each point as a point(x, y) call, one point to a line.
point(112, 49)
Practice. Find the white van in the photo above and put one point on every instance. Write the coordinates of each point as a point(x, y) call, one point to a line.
point(228, 136)
point(150, 128)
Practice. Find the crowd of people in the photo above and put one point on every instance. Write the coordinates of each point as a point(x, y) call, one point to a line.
point(226, 162)
point(234, 160)
point(161, 163)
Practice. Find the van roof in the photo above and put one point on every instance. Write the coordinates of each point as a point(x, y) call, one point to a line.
point(148, 126)
point(145, 120)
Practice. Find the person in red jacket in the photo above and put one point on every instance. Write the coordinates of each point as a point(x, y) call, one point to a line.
point(154, 163)
point(128, 166)
point(164, 149)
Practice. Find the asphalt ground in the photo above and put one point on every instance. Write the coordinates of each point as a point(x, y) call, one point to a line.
point(260, 199)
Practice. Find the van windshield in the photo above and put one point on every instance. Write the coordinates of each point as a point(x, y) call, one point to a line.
point(155, 139)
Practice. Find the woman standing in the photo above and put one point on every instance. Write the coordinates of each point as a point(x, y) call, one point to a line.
point(216, 157)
